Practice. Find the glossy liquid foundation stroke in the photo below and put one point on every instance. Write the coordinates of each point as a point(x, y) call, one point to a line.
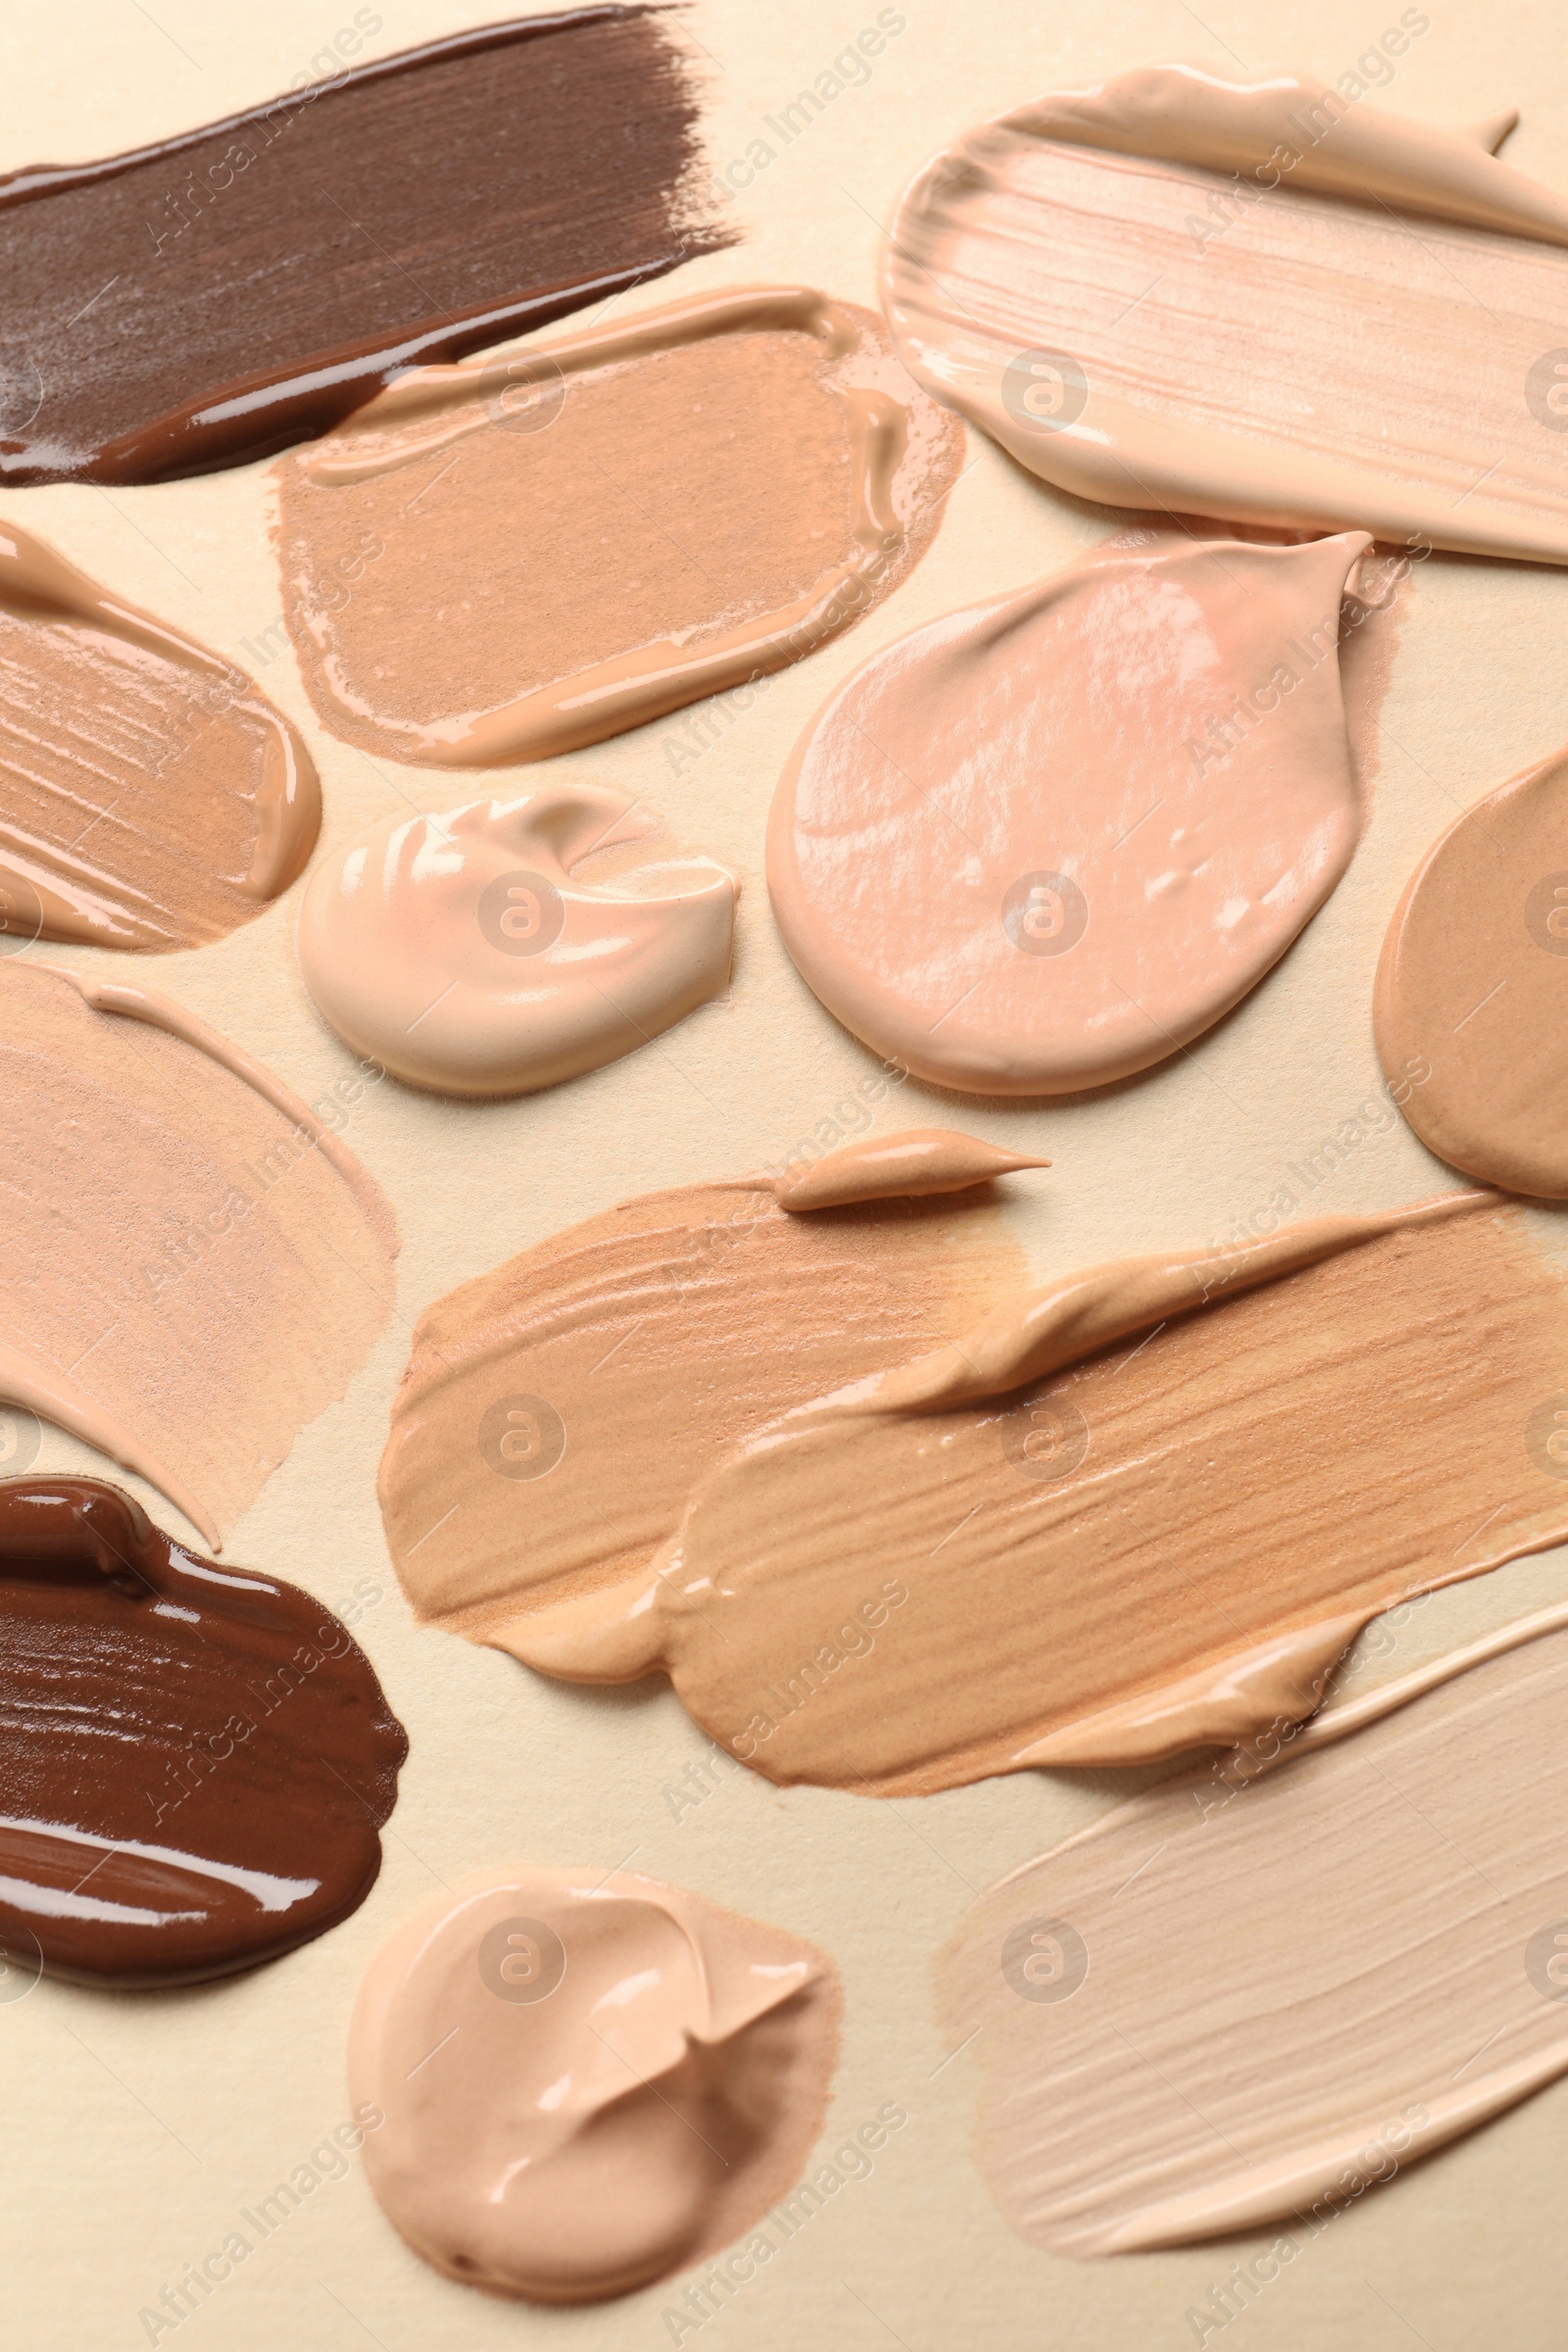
point(197, 1266)
point(1405, 1909)
point(294, 259)
point(1109, 1523)
point(153, 797)
point(592, 532)
point(194, 1761)
point(588, 2079)
point(1172, 291)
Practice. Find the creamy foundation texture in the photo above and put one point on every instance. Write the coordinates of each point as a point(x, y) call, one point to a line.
point(1109, 1522)
point(1173, 290)
point(469, 953)
point(503, 561)
point(589, 2078)
point(1097, 813)
point(1248, 1997)
point(151, 797)
point(196, 1266)
point(1472, 987)
point(555, 1414)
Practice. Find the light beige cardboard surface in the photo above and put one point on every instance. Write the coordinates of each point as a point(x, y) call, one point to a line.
point(135, 2128)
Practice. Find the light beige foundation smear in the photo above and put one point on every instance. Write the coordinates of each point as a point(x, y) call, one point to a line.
point(1250, 1994)
point(196, 1266)
point(151, 797)
point(1142, 1509)
point(1472, 988)
point(1171, 291)
point(588, 2079)
point(555, 1414)
point(513, 558)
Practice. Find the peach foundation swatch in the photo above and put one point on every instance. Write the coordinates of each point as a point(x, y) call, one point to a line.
point(151, 797)
point(592, 532)
point(1110, 1522)
point(589, 2078)
point(1098, 812)
point(555, 1414)
point(1170, 291)
point(464, 951)
point(196, 1266)
point(1473, 984)
point(1242, 1999)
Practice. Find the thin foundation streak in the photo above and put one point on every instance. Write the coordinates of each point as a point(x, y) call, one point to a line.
point(711, 491)
point(1370, 1933)
point(1275, 308)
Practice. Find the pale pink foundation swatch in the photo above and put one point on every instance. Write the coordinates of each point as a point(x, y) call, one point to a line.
point(196, 1266)
point(1109, 1522)
point(1254, 1993)
point(513, 558)
point(1174, 291)
point(467, 951)
point(588, 2079)
point(1473, 986)
point(153, 797)
point(1097, 813)
point(555, 1413)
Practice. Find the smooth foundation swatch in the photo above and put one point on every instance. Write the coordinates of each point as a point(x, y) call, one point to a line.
point(589, 533)
point(151, 797)
point(466, 953)
point(1394, 1974)
point(1473, 984)
point(1097, 813)
point(197, 1266)
point(206, 300)
point(1109, 1522)
point(194, 1761)
point(555, 1414)
point(1171, 291)
point(588, 2079)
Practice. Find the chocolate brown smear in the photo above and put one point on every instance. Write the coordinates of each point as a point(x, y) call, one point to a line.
point(194, 1761)
point(208, 300)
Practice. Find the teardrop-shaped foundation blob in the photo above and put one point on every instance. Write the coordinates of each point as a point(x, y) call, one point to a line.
point(1042, 844)
point(1471, 1007)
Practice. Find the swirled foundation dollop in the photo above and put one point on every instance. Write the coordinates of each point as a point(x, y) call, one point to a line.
point(588, 2079)
point(467, 954)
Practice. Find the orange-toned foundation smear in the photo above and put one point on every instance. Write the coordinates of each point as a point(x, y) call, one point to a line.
point(151, 797)
point(588, 2079)
point(1174, 291)
point(1153, 2005)
point(1472, 988)
point(555, 1414)
point(501, 560)
point(196, 1266)
point(1142, 1509)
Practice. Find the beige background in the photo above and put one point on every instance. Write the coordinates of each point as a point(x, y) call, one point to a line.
point(134, 2128)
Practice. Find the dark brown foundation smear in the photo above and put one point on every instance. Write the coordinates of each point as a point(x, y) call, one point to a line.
point(194, 1761)
point(148, 796)
point(211, 298)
